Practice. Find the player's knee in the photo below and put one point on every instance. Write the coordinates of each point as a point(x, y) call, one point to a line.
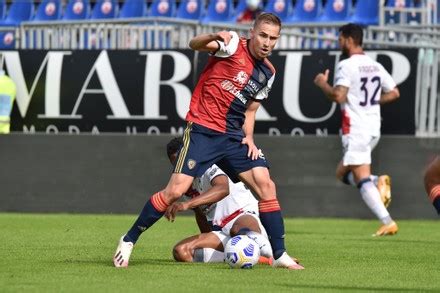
point(172, 194)
point(267, 186)
point(432, 174)
point(182, 253)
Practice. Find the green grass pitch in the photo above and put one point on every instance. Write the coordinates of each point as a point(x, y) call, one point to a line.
point(73, 253)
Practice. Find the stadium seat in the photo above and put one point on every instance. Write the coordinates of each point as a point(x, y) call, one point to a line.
point(133, 8)
point(336, 10)
point(190, 9)
point(19, 10)
point(219, 11)
point(162, 8)
point(396, 16)
point(305, 11)
point(77, 10)
point(105, 9)
point(282, 8)
point(48, 10)
point(366, 12)
point(2, 9)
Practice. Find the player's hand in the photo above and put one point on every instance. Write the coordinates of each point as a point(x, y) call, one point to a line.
point(173, 209)
point(322, 78)
point(224, 36)
point(253, 151)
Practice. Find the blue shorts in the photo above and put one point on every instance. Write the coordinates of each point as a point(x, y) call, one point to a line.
point(203, 147)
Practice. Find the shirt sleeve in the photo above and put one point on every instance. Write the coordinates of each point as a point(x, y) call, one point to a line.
point(228, 50)
point(342, 76)
point(388, 82)
point(213, 172)
point(264, 92)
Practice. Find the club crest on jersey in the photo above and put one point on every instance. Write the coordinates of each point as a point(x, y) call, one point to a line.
point(191, 164)
point(241, 77)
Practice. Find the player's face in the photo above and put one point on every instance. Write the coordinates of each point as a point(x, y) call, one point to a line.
point(263, 39)
point(343, 44)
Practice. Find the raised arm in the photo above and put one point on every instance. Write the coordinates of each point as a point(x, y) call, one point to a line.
point(336, 94)
point(209, 42)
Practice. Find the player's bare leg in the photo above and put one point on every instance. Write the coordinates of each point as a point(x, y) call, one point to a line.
point(199, 248)
point(259, 181)
point(383, 182)
point(432, 183)
point(153, 210)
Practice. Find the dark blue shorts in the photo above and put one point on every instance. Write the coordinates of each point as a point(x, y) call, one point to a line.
point(203, 147)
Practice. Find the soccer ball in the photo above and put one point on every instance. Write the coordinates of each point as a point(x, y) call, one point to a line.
point(242, 252)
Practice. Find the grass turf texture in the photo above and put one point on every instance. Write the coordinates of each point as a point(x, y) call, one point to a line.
point(41, 253)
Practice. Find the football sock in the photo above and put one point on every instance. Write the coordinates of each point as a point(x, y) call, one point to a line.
point(375, 179)
point(434, 196)
point(272, 220)
point(208, 255)
point(349, 179)
point(152, 211)
point(370, 195)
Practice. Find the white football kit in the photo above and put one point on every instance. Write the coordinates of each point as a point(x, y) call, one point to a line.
point(361, 120)
point(224, 213)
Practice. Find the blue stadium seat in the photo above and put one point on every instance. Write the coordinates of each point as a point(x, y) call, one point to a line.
point(48, 10)
point(305, 11)
point(19, 10)
point(396, 16)
point(282, 8)
point(366, 12)
point(336, 10)
point(163, 8)
point(77, 10)
point(105, 9)
point(190, 9)
point(133, 8)
point(2, 9)
point(219, 11)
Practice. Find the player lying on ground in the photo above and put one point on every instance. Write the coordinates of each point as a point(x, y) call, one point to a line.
point(219, 217)
point(432, 183)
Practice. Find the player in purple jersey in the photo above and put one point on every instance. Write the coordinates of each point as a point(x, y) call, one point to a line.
point(232, 97)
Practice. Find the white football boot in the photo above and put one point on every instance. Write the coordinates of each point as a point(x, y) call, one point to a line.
point(285, 261)
point(122, 254)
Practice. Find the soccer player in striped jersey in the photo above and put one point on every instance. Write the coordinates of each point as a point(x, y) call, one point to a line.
point(361, 85)
point(432, 183)
point(220, 127)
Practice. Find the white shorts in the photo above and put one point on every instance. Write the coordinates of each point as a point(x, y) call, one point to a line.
point(357, 148)
point(225, 234)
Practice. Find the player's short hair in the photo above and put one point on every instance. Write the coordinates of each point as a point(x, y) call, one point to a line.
point(354, 31)
point(174, 146)
point(267, 18)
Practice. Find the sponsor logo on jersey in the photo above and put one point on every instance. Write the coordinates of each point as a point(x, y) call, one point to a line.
point(241, 77)
point(235, 91)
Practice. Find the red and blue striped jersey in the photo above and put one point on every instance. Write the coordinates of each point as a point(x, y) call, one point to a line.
point(231, 79)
